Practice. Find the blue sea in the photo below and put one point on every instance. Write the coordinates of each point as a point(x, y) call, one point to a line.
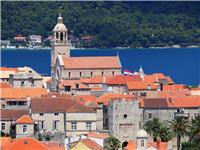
point(181, 64)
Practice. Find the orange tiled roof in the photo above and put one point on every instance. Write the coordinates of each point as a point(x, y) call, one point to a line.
point(195, 89)
point(166, 94)
point(96, 80)
point(132, 145)
point(174, 87)
point(183, 102)
point(107, 97)
point(4, 85)
point(26, 144)
point(91, 62)
point(161, 76)
point(5, 142)
point(19, 93)
point(175, 102)
point(98, 135)
point(122, 79)
point(91, 144)
point(85, 98)
point(25, 119)
point(150, 79)
point(141, 86)
point(79, 108)
point(8, 69)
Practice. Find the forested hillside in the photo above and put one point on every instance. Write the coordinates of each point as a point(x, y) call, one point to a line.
point(112, 24)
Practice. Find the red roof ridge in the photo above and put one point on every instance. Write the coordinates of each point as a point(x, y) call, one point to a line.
point(25, 119)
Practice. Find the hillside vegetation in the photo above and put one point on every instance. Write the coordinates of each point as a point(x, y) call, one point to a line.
point(112, 24)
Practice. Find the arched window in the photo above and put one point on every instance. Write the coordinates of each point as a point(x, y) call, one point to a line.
point(91, 74)
point(61, 36)
point(57, 35)
point(142, 142)
point(113, 73)
point(80, 74)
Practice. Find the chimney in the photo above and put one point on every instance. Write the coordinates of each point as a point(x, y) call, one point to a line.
point(158, 142)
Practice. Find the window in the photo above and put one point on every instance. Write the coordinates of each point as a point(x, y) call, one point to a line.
point(41, 125)
point(69, 74)
point(113, 73)
point(61, 36)
point(67, 88)
point(41, 114)
point(2, 126)
point(55, 125)
point(102, 73)
point(125, 115)
point(56, 35)
point(3, 106)
point(142, 142)
point(150, 115)
point(77, 86)
point(91, 74)
point(24, 128)
point(88, 125)
point(56, 114)
point(74, 125)
point(22, 83)
point(80, 74)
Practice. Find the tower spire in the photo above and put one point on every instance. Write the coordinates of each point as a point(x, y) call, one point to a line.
point(60, 19)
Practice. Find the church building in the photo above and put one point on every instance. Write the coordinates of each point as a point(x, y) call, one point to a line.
point(65, 67)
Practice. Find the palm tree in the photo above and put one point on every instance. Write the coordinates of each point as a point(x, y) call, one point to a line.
point(165, 133)
point(179, 126)
point(195, 130)
point(113, 143)
point(152, 127)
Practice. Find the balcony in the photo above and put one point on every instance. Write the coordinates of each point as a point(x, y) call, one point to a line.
point(181, 114)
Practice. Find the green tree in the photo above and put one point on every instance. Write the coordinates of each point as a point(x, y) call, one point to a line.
point(165, 133)
point(180, 128)
point(152, 127)
point(113, 143)
point(195, 131)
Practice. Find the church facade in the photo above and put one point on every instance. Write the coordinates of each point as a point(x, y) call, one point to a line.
point(65, 67)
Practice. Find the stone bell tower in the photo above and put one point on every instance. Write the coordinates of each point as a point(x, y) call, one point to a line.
point(60, 44)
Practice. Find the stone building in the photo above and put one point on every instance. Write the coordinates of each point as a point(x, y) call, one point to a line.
point(26, 77)
point(167, 109)
point(62, 116)
point(63, 66)
point(124, 116)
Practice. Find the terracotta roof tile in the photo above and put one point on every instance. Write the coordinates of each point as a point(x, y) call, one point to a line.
point(25, 119)
point(122, 79)
point(174, 87)
point(132, 145)
point(79, 108)
point(4, 85)
point(27, 144)
point(8, 69)
point(91, 62)
point(141, 86)
point(150, 79)
point(96, 80)
point(91, 144)
point(175, 102)
point(8, 114)
point(85, 98)
point(19, 93)
point(98, 135)
point(56, 105)
point(107, 97)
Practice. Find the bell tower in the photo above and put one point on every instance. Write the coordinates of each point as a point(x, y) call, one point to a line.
point(60, 44)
